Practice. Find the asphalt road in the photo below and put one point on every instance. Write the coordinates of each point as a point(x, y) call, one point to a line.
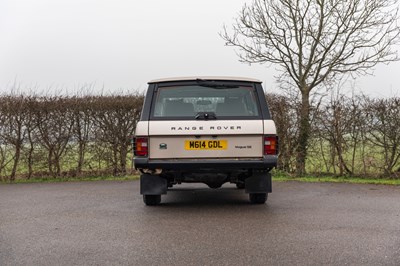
point(106, 223)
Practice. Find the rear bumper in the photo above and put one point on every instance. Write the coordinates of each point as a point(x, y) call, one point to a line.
point(267, 162)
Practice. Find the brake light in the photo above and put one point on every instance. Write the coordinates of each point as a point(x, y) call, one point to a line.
point(270, 145)
point(141, 147)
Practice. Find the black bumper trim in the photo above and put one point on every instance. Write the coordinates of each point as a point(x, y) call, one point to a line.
point(267, 162)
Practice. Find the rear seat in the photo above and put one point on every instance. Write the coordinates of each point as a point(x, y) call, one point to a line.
point(178, 108)
point(231, 107)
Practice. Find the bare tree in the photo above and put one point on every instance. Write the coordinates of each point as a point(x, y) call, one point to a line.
point(339, 125)
point(4, 150)
point(2, 159)
point(384, 123)
point(31, 132)
point(82, 128)
point(14, 131)
point(54, 123)
point(284, 110)
point(115, 118)
point(314, 42)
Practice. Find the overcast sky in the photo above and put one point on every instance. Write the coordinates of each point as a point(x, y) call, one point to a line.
point(61, 45)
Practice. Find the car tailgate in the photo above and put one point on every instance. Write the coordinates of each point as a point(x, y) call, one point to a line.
point(206, 139)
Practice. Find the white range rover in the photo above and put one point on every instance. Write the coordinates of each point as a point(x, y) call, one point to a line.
point(208, 130)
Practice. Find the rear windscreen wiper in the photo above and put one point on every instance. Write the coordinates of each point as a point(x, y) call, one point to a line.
point(205, 116)
point(215, 84)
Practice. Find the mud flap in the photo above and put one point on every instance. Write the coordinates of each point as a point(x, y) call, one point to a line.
point(259, 183)
point(152, 185)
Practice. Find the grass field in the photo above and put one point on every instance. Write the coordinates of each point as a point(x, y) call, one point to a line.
point(278, 177)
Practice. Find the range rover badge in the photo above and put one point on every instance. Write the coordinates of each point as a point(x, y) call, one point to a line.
point(163, 146)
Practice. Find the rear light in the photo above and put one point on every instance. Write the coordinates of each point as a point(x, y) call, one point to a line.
point(141, 146)
point(270, 145)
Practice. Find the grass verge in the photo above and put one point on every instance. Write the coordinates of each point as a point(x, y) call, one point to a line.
point(72, 179)
point(278, 177)
point(327, 179)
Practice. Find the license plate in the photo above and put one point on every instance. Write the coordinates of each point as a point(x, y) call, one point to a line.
point(206, 144)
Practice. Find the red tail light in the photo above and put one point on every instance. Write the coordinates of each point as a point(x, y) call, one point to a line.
point(141, 146)
point(270, 145)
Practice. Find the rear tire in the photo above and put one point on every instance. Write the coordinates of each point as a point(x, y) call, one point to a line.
point(152, 200)
point(258, 198)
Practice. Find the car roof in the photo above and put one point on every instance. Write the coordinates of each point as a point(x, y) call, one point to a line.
point(222, 78)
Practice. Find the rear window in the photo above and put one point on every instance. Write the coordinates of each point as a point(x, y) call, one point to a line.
point(189, 101)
